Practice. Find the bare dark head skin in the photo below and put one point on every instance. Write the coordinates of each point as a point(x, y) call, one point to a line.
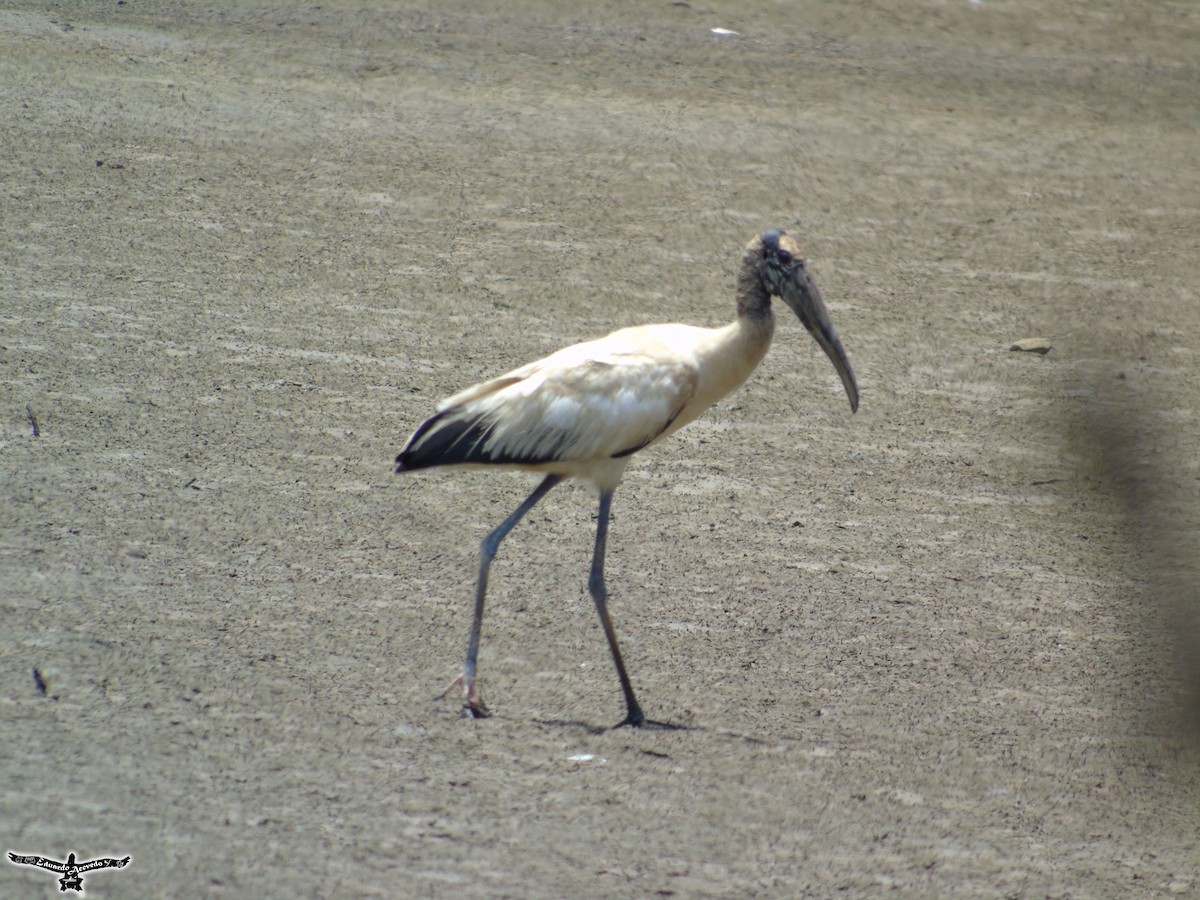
point(774, 266)
point(770, 239)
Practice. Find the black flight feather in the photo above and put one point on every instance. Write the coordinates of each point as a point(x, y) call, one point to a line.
point(445, 440)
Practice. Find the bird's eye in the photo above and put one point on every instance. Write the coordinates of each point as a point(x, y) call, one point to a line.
point(784, 257)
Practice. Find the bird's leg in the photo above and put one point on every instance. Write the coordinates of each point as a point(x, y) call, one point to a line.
point(472, 701)
point(635, 717)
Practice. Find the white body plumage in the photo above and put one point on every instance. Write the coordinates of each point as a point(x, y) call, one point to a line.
point(583, 411)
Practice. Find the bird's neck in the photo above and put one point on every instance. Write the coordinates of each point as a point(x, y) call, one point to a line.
point(753, 301)
point(724, 358)
point(738, 348)
point(755, 325)
point(752, 332)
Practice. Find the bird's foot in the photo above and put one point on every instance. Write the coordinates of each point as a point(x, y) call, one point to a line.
point(472, 700)
point(637, 719)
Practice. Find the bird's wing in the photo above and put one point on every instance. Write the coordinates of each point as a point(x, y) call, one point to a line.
point(106, 863)
point(604, 407)
point(591, 401)
point(38, 861)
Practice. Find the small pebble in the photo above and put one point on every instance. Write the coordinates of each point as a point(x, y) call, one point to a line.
point(1033, 345)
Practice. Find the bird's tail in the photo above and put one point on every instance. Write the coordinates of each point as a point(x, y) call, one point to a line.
point(446, 439)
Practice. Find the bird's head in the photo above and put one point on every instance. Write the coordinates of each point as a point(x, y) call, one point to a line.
point(776, 261)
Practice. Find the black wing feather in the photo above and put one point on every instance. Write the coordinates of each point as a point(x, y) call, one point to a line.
point(449, 439)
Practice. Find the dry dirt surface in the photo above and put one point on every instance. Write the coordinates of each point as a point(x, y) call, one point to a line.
point(943, 647)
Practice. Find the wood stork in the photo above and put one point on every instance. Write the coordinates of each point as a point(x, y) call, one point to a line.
point(584, 411)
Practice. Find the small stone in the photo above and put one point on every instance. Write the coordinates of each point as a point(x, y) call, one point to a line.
point(1033, 345)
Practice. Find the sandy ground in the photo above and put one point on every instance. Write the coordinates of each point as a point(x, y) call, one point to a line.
point(945, 646)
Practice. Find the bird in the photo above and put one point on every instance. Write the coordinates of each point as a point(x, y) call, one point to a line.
point(584, 411)
point(72, 879)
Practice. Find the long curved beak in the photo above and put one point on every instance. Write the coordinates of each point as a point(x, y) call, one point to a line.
point(801, 294)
